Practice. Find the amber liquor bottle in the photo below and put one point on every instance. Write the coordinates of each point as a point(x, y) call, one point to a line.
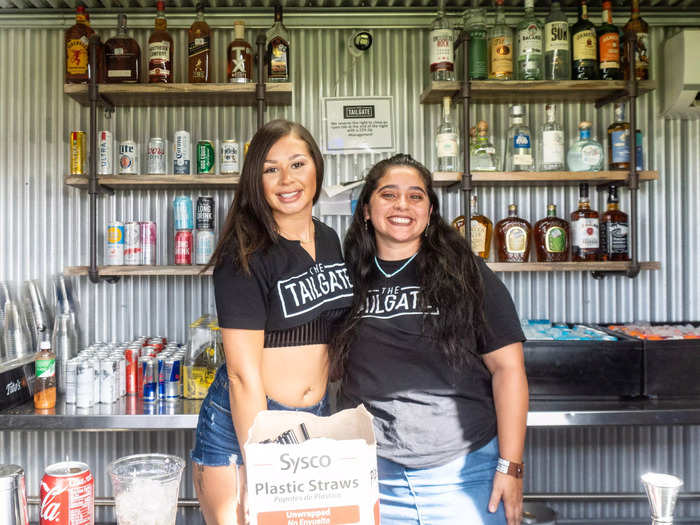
point(122, 56)
point(619, 140)
point(76, 40)
point(198, 49)
point(585, 240)
point(161, 50)
point(636, 24)
point(552, 237)
point(614, 230)
point(482, 230)
point(277, 55)
point(609, 46)
point(239, 56)
point(585, 44)
point(513, 237)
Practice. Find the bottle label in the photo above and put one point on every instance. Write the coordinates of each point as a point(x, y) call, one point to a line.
point(591, 156)
point(516, 240)
point(620, 141)
point(585, 234)
point(238, 62)
point(556, 36)
point(613, 238)
point(158, 51)
point(555, 240)
point(521, 141)
point(609, 51)
point(585, 45)
point(45, 367)
point(641, 56)
point(501, 56)
point(76, 57)
point(277, 66)
point(447, 145)
point(478, 237)
point(553, 147)
point(198, 46)
point(119, 73)
point(478, 67)
point(530, 40)
point(442, 50)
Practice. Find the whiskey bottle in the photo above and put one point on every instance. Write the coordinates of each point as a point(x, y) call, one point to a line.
point(198, 49)
point(585, 240)
point(447, 140)
point(529, 39)
point(513, 237)
point(475, 25)
point(482, 230)
point(278, 54)
point(609, 46)
point(483, 155)
point(442, 57)
point(500, 47)
point(551, 237)
point(585, 57)
point(637, 25)
point(161, 50)
point(239, 67)
point(519, 152)
point(619, 140)
point(122, 56)
point(551, 142)
point(614, 230)
point(557, 44)
point(76, 40)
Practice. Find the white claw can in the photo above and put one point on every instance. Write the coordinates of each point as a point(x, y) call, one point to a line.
point(230, 158)
point(70, 381)
point(107, 380)
point(182, 153)
point(156, 156)
point(105, 149)
point(132, 243)
point(128, 157)
point(204, 246)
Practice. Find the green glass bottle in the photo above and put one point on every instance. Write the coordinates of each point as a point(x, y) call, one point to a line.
point(475, 25)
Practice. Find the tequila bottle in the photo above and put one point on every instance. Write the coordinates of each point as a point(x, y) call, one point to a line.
point(483, 154)
point(519, 152)
point(447, 140)
point(529, 39)
point(475, 25)
point(550, 141)
point(586, 154)
point(500, 47)
point(551, 237)
point(557, 45)
point(442, 60)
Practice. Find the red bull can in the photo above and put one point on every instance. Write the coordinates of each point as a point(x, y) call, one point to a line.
point(149, 372)
point(171, 374)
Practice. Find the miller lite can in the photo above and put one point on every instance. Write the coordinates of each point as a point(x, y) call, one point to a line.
point(67, 495)
point(128, 157)
point(105, 149)
point(182, 157)
point(156, 156)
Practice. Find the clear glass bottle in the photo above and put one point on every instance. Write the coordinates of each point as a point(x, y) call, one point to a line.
point(160, 49)
point(45, 381)
point(551, 237)
point(447, 140)
point(513, 237)
point(529, 41)
point(585, 227)
point(483, 155)
point(614, 230)
point(475, 25)
point(557, 45)
point(519, 147)
point(198, 49)
point(585, 154)
point(442, 56)
point(608, 46)
point(122, 56)
point(619, 140)
point(550, 142)
point(500, 47)
point(278, 54)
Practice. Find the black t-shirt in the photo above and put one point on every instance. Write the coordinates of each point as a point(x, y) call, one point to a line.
point(289, 295)
point(425, 413)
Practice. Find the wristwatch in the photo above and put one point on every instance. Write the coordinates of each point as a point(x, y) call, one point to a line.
point(510, 467)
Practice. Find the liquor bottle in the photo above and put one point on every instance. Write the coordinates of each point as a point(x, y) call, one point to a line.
point(519, 153)
point(550, 141)
point(636, 24)
point(239, 56)
point(609, 46)
point(483, 154)
point(557, 45)
point(122, 56)
point(500, 47)
point(482, 230)
point(442, 57)
point(277, 37)
point(529, 39)
point(447, 140)
point(585, 56)
point(551, 237)
point(614, 230)
point(475, 25)
point(586, 154)
point(585, 241)
point(76, 40)
point(198, 49)
point(161, 52)
point(619, 140)
point(45, 382)
point(513, 237)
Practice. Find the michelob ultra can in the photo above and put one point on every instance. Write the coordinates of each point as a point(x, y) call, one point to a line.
point(114, 247)
point(182, 146)
point(206, 160)
point(105, 151)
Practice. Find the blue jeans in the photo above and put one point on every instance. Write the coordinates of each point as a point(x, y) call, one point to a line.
point(455, 493)
point(216, 444)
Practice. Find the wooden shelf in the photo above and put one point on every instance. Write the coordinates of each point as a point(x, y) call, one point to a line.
point(276, 94)
point(510, 178)
point(495, 91)
point(145, 182)
point(111, 271)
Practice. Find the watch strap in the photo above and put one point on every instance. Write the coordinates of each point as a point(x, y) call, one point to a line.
point(511, 468)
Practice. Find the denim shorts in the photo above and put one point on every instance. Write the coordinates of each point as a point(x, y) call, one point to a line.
point(216, 444)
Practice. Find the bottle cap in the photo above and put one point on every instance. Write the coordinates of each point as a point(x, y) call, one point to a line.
point(512, 208)
point(482, 126)
point(517, 110)
point(584, 125)
point(45, 345)
point(160, 5)
point(551, 207)
point(583, 189)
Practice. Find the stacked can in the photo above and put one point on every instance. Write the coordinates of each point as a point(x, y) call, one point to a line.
point(114, 245)
point(182, 207)
point(204, 243)
point(148, 242)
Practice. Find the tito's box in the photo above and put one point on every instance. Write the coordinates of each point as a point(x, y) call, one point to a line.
point(329, 479)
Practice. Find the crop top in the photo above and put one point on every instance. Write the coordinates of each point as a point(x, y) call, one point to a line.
point(296, 300)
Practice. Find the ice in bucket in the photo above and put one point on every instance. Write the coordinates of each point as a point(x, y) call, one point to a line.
point(146, 488)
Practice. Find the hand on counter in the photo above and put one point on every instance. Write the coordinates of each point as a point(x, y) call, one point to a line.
point(510, 490)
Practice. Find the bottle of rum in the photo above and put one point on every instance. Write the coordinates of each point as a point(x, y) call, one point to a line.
point(76, 40)
point(585, 57)
point(619, 140)
point(447, 140)
point(552, 237)
point(198, 49)
point(585, 240)
point(45, 382)
point(122, 56)
point(529, 39)
point(160, 49)
point(586, 154)
point(557, 45)
point(239, 67)
point(482, 230)
point(520, 152)
point(513, 237)
point(609, 46)
point(483, 155)
point(500, 47)
point(442, 57)
point(637, 25)
point(278, 54)
point(551, 142)
point(614, 230)
point(475, 25)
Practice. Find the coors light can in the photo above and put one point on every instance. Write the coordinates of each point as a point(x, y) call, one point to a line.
point(156, 156)
point(67, 495)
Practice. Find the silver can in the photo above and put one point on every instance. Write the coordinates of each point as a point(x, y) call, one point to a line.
point(95, 364)
point(230, 159)
point(128, 157)
point(70, 381)
point(114, 244)
point(122, 375)
point(84, 384)
point(107, 380)
point(105, 149)
point(204, 246)
point(156, 156)
point(132, 243)
point(182, 148)
point(148, 242)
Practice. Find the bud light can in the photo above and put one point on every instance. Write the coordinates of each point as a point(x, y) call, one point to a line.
point(156, 156)
point(149, 372)
point(128, 157)
point(132, 243)
point(205, 157)
point(148, 242)
point(204, 247)
point(114, 246)
point(182, 207)
point(183, 247)
point(105, 148)
point(206, 209)
point(230, 159)
point(182, 146)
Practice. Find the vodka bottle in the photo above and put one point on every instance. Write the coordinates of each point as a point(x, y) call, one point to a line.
point(442, 65)
point(447, 140)
point(550, 140)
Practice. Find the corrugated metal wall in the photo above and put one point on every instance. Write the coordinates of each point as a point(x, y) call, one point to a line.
point(44, 228)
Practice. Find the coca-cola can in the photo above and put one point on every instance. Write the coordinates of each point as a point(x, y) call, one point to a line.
point(105, 148)
point(132, 243)
point(67, 495)
point(148, 242)
point(132, 367)
point(156, 156)
point(206, 210)
point(183, 247)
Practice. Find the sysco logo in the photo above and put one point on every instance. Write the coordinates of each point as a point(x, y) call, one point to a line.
point(304, 462)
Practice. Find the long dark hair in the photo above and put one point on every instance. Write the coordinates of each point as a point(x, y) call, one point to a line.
point(249, 225)
point(449, 277)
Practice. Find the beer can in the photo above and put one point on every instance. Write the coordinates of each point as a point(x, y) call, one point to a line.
point(114, 247)
point(107, 380)
point(182, 209)
point(182, 146)
point(156, 156)
point(160, 360)
point(131, 356)
point(204, 247)
point(67, 495)
point(70, 379)
point(121, 363)
point(205, 157)
point(78, 153)
point(128, 157)
point(171, 373)
point(206, 210)
point(105, 152)
point(132, 243)
point(230, 158)
point(84, 384)
point(148, 242)
point(149, 379)
point(183, 247)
